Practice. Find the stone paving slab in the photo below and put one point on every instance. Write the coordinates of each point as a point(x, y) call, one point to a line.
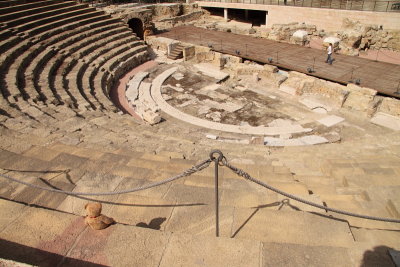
point(331, 120)
point(240, 198)
point(121, 245)
point(41, 153)
point(142, 211)
point(291, 227)
point(185, 194)
point(184, 250)
point(377, 237)
point(212, 71)
point(386, 120)
point(9, 189)
point(9, 211)
point(76, 204)
point(40, 229)
point(367, 254)
point(197, 220)
point(301, 255)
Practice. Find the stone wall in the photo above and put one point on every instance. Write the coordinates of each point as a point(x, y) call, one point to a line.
point(168, 23)
point(352, 97)
point(189, 53)
point(353, 36)
point(390, 106)
point(159, 43)
point(285, 32)
point(157, 17)
point(323, 18)
point(356, 36)
point(360, 99)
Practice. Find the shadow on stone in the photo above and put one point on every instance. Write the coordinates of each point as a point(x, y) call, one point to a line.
point(273, 204)
point(380, 256)
point(24, 254)
point(154, 224)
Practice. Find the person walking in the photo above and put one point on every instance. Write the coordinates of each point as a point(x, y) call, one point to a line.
point(329, 58)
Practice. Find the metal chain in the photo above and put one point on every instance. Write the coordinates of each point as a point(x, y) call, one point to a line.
point(204, 164)
point(248, 177)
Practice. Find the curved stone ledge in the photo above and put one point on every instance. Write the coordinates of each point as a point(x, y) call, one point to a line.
point(261, 130)
point(132, 87)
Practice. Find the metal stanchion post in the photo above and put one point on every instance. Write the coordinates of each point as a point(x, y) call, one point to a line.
point(313, 65)
point(216, 161)
point(216, 200)
point(398, 89)
point(351, 76)
point(377, 54)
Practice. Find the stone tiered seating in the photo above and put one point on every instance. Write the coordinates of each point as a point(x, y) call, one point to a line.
point(40, 68)
point(13, 12)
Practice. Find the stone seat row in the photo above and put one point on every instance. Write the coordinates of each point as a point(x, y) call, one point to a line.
point(26, 5)
point(11, 13)
point(36, 15)
point(53, 56)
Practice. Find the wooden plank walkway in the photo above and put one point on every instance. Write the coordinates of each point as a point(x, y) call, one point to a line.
point(381, 76)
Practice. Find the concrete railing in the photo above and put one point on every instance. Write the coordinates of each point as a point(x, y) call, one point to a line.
point(360, 5)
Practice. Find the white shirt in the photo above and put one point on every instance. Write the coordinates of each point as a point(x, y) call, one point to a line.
point(329, 50)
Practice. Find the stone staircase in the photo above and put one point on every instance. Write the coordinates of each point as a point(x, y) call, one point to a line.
point(177, 52)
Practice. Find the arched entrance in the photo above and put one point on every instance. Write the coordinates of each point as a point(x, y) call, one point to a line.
point(137, 27)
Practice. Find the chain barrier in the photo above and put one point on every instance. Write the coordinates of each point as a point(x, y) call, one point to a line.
point(196, 168)
point(220, 160)
point(247, 176)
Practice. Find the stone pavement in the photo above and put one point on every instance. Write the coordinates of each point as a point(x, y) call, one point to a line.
point(47, 228)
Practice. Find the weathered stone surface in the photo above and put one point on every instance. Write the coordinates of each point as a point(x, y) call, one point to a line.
point(142, 211)
point(356, 36)
point(386, 120)
point(189, 53)
point(300, 37)
point(330, 92)
point(301, 255)
point(200, 220)
point(291, 227)
point(359, 98)
point(331, 40)
point(331, 120)
point(132, 91)
point(285, 32)
point(151, 117)
point(184, 250)
point(128, 246)
point(297, 83)
point(9, 211)
point(210, 91)
point(159, 43)
point(212, 71)
point(390, 106)
point(228, 106)
point(45, 230)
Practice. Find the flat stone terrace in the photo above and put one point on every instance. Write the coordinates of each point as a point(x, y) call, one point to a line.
point(381, 76)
